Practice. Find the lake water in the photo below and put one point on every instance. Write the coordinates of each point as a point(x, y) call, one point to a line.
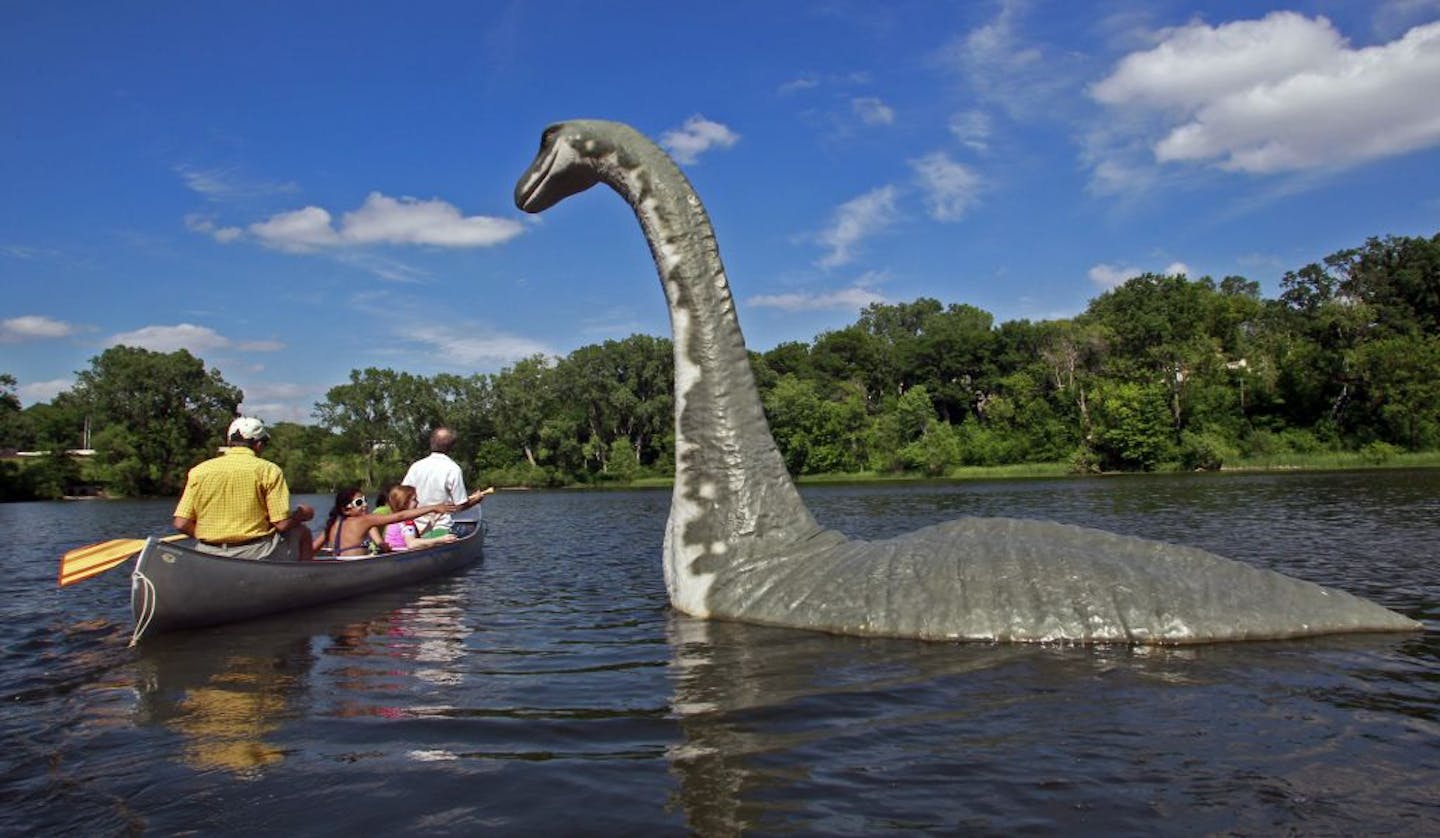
point(550, 690)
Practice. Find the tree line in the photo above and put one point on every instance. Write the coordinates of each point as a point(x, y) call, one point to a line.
point(1161, 372)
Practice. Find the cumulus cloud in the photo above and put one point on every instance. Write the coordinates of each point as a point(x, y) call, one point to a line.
point(855, 221)
point(1280, 94)
point(1111, 276)
point(950, 188)
point(383, 220)
point(697, 136)
point(853, 298)
point(196, 339)
point(34, 327)
point(872, 111)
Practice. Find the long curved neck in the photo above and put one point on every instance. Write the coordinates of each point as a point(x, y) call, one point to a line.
point(729, 476)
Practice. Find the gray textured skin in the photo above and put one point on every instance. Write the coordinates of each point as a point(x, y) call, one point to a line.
point(740, 543)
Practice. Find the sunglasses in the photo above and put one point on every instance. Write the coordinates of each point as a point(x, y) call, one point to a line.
point(357, 503)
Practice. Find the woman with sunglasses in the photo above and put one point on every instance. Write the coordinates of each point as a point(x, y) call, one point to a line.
point(347, 530)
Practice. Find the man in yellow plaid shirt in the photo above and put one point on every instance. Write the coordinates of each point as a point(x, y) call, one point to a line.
point(238, 505)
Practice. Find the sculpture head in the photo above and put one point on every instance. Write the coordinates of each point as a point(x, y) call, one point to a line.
point(566, 164)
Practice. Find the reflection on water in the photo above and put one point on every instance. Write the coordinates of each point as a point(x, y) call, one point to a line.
point(550, 690)
point(221, 702)
point(894, 734)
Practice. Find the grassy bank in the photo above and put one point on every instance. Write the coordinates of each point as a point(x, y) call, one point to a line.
point(1325, 461)
point(1333, 461)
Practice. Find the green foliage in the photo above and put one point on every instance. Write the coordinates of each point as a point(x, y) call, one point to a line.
point(12, 433)
point(156, 415)
point(1132, 426)
point(1379, 453)
point(1205, 451)
point(935, 451)
point(815, 434)
point(1160, 372)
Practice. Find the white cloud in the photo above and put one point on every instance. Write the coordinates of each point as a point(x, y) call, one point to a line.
point(223, 185)
point(380, 220)
point(20, 251)
point(273, 411)
point(1022, 79)
point(383, 267)
point(452, 347)
point(872, 111)
point(972, 129)
point(34, 327)
point(1111, 276)
point(383, 220)
point(43, 391)
point(950, 188)
point(280, 401)
point(1282, 93)
point(196, 339)
point(297, 231)
point(1395, 16)
point(198, 223)
point(697, 136)
point(797, 85)
point(856, 220)
point(853, 298)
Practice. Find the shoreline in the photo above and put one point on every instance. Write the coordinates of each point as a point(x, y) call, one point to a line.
point(1295, 464)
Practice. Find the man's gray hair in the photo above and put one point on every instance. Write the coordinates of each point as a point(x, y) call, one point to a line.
point(442, 440)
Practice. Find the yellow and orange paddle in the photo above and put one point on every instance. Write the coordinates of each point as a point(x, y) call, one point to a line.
point(93, 559)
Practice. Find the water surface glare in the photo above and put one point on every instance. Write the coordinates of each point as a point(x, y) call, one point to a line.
point(551, 689)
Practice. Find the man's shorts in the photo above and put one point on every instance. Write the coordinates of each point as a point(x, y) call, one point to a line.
point(275, 547)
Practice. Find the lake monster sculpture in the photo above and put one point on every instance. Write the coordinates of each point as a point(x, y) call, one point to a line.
point(740, 543)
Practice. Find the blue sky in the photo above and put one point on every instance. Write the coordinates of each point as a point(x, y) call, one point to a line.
point(295, 190)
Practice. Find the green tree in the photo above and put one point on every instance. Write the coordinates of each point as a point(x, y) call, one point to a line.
point(952, 356)
point(12, 419)
point(58, 423)
point(523, 399)
point(618, 391)
point(157, 414)
point(1132, 426)
point(384, 416)
point(301, 452)
point(1398, 376)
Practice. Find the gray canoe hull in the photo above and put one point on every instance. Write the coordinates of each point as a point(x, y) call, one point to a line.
point(176, 587)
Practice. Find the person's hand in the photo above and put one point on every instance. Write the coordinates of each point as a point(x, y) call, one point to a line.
point(478, 495)
point(448, 538)
point(447, 507)
point(303, 512)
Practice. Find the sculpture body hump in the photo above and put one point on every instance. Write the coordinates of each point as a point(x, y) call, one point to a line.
point(740, 543)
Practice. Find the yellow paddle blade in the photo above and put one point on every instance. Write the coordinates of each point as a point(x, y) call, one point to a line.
point(93, 559)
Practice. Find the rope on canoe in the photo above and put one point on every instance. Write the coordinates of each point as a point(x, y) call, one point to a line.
point(147, 604)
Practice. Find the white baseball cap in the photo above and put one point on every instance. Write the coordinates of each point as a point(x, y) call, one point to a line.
point(247, 427)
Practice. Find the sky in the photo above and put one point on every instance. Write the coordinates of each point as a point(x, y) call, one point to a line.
point(292, 191)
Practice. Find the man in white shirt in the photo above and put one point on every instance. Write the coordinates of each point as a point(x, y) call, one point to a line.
point(437, 479)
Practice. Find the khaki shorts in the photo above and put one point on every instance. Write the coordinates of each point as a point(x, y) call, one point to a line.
point(275, 547)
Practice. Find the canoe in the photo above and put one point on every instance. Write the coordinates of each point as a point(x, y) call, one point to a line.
point(175, 586)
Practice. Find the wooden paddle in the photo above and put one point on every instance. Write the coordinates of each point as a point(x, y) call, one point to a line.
point(93, 559)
